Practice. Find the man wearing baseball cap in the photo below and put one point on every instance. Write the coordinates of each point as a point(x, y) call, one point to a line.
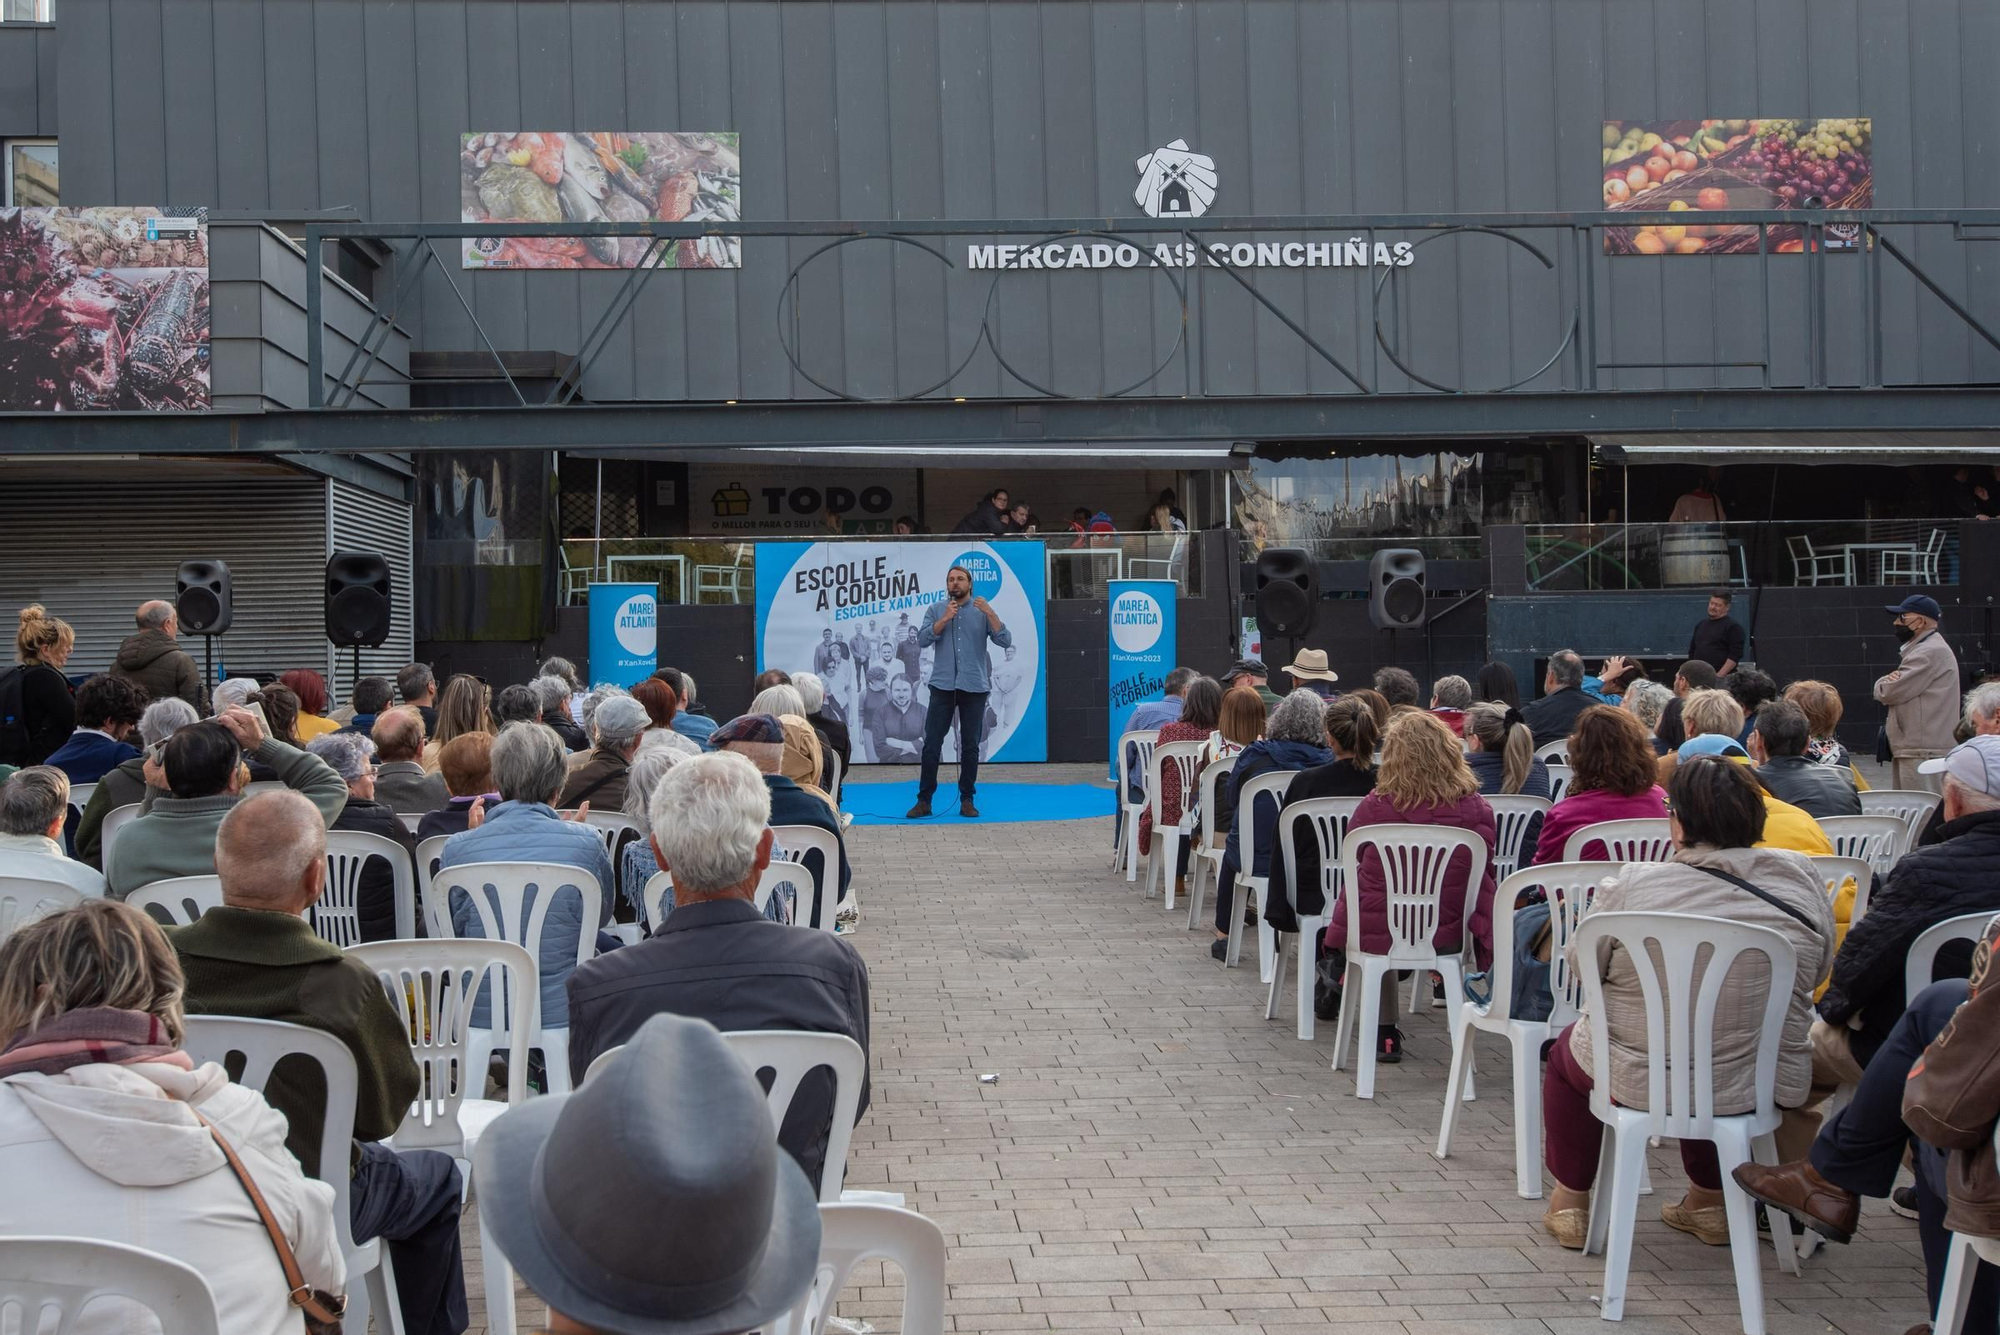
point(1250, 674)
point(1922, 693)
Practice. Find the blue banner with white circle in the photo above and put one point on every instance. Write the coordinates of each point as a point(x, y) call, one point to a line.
point(624, 633)
point(1142, 647)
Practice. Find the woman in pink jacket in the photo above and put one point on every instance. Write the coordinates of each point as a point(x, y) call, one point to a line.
point(1423, 780)
point(1611, 762)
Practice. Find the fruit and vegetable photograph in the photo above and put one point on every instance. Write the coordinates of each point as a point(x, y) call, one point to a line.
point(1698, 167)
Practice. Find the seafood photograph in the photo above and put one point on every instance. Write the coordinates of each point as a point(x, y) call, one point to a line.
point(565, 176)
point(103, 309)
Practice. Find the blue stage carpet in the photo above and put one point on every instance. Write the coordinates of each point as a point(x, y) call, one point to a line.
point(998, 803)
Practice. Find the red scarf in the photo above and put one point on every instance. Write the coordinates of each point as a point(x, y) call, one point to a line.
point(95, 1034)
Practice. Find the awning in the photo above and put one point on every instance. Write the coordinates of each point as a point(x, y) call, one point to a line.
point(1183, 456)
point(1889, 449)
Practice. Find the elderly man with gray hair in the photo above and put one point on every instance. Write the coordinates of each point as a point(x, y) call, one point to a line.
point(615, 728)
point(34, 802)
point(1450, 698)
point(153, 660)
point(126, 783)
point(351, 756)
point(717, 958)
point(554, 693)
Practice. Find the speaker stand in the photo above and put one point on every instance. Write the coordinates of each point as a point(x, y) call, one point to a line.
point(356, 679)
point(209, 653)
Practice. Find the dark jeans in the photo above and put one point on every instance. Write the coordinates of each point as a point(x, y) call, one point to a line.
point(970, 708)
point(1861, 1146)
point(410, 1200)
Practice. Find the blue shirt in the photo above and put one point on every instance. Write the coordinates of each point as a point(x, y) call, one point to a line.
point(1148, 717)
point(695, 727)
point(960, 663)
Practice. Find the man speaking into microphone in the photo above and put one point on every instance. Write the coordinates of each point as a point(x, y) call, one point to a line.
point(960, 680)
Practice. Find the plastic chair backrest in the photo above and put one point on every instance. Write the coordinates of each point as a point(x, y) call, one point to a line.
point(1917, 965)
point(1271, 785)
point(429, 851)
point(850, 1234)
point(497, 891)
point(1556, 752)
point(1648, 839)
point(653, 897)
point(1559, 780)
point(1878, 839)
point(263, 1043)
point(43, 1275)
point(1328, 817)
point(411, 819)
point(819, 894)
point(1680, 1013)
point(1213, 775)
point(611, 826)
point(1569, 887)
point(1136, 745)
point(80, 795)
point(1913, 805)
point(115, 820)
point(1175, 763)
point(337, 914)
point(839, 773)
point(432, 985)
point(181, 898)
point(1416, 860)
point(26, 898)
point(1513, 815)
point(1834, 869)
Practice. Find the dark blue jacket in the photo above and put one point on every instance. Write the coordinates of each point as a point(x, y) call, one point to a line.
point(88, 756)
point(793, 805)
point(1261, 757)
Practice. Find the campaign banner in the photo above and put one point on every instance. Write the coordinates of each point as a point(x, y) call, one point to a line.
point(624, 633)
point(1142, 647)
point(850, 612)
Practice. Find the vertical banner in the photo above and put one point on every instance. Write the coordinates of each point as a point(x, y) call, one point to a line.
point(1142, 647)
point(850, 613)
point(624, 633)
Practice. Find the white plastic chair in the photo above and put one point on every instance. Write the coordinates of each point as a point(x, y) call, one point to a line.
point(1878, 839)
point(661, 883)
point(1136, 745)
point(1961, 1267)
point(337, 915)
point(839, 773)
point(25, 898)
point(1917, 965)
point(263, 1044)
point(1559, 780)
point(1207, 859)
point(1173, 763)
point(1680, 1080)
point(1271, 785)
point(1416, 860)
point(611, 827)
point(1554, 753)
point(181, 899)
point(436, 917)
point(40, 1276)
point(115, 820)
point(819, 896)
point(852, 1233)
point(498, 891)
point(78, 876)
point(411, 819)
point(1570, 887)
point(1835, 871)
point(1513, 816)
point(1648, 839)
point(1913, 805)
point(1328, 817)
point(80, 795)
point(432, 985)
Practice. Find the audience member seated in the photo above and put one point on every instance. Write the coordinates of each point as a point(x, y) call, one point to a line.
point(1151, 716)
point(281, 715)
point(202, 767)
point(235, 692)
point(102, 1130)
point(1450, 698)
point(1424, 780)
point(1501, 753)
point(1713, 715)
point(1822, 706)
point(716, 958)
point(1201, 715)
point(1498, 687)
point(1648, 701)
point(526, 827)
point(1671, 730)
point(1778, 740)
point(1695, 675)
point(1750, 689)
point(1614, 678)
point(1399, 687)
point(462, 708)
point(1243, 722)
point(691, 719)
point(615, 728)
point(107, 711)
point(466, 768)
point(348, 755)
point(554, 695)
point(1718, 817)
point(636, 864)
point(34, 802)
point(760, 739)
point(417, 688)
point(803, 760)
point(372, 695)
point(1927, 885)
point(812, 693)
point(661, 706)
point(672, 1134)
point(1611, 778)
point(258, 957)
point(1309, 670)
point(401, 782)
point(1563, 701)
point(1294, 739)
point(516, 704)
point(127, 783)
point(1351, 736)
point(310, 688)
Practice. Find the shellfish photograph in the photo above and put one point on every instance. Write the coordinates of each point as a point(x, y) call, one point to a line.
point(571, 177)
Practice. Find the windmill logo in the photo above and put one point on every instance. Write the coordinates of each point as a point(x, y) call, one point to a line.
point(1175, 183)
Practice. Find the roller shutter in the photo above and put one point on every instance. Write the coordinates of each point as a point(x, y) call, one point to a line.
point(362, 521)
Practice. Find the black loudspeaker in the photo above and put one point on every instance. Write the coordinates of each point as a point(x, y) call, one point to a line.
point(204, 602)
point(1396, 588)
point(1287, 592)
point(357, 599)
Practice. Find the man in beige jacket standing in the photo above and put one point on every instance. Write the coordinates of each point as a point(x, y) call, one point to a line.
point(1922, 693)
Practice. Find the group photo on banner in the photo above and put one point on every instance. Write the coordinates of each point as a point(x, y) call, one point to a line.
point(852, 612)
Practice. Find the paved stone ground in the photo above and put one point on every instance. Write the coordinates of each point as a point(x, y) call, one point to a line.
point(1156, 1154)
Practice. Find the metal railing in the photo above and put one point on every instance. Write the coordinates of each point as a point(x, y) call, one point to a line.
point(1569, 557)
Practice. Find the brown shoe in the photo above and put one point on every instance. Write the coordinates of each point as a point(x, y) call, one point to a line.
point(1799, 1190)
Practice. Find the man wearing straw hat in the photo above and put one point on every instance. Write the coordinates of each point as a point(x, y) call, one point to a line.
point(1309, 670)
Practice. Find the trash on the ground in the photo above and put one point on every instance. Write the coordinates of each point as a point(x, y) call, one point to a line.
point(989, 1079)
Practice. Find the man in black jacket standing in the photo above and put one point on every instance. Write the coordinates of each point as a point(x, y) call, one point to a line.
point(1718, 640)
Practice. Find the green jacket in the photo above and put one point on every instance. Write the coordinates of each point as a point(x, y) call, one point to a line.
point(273, 966)
point(175, 836)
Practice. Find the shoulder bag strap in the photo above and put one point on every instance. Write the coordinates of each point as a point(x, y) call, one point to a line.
point(319, 1307)
point(596, 784)
point(1764, 895)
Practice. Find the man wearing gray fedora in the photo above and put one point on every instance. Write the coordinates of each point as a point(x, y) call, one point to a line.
point(673, 1131)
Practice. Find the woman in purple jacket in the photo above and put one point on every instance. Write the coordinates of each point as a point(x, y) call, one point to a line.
point(1611, 762)
point(1423, 780)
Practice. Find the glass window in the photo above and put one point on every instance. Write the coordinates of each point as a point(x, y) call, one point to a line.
point(27, 11)
point(31, 173)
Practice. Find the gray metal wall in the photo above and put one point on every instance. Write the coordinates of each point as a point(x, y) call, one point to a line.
point(867, 109)
point(27, 80)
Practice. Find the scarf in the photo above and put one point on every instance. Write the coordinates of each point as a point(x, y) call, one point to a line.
point(95, 1034)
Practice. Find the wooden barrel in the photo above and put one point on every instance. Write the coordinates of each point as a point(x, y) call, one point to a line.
point(1693, 554)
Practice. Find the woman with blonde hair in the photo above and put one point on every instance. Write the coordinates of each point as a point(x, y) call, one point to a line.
point(105, 1122)
point(461, 708)
point(1423, 780)
point(1713, 720)
point(48, 710)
